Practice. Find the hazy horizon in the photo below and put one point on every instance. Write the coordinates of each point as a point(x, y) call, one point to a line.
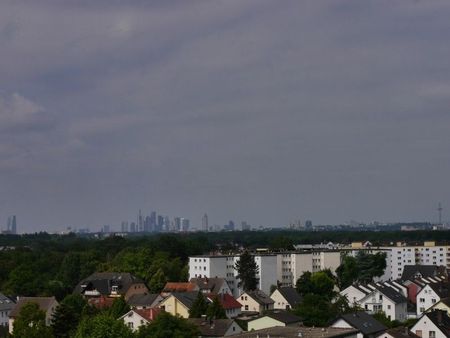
point(257, 111)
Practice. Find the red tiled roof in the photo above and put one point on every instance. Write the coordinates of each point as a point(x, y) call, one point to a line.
point(227, 301)
point(179, 287)
point(101, 302)
point(149, 314)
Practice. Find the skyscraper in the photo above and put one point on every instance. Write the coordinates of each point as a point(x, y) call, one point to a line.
point(124, 227)
point(140, 224)
point(205, 222)
point(12, 225)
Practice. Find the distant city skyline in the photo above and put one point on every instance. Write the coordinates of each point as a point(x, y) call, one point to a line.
point(258, 110)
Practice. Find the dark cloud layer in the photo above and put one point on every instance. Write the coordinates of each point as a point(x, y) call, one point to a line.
point(266, 111)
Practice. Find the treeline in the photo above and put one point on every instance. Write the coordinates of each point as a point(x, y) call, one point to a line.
point(50, 265)
point(46, 265)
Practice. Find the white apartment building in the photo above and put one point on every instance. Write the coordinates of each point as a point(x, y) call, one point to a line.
point(284, 268)
point(223, 266)
point(400, 255)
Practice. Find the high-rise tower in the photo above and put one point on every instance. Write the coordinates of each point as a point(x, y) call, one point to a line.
point(205, 226)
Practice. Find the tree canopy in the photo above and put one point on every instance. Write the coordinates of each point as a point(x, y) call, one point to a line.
point(247, 270)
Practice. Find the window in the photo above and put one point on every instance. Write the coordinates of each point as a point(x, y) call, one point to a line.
point(432, 334)
point(246, 307)
point(422, 300)
point(434, 302)
point(388, 307)
point(130, 325)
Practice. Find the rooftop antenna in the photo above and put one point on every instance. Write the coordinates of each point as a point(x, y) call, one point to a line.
point(439, 209)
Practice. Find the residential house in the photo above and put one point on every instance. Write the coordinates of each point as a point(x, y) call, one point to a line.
point(435, 324)
point(398, 332)
point(212, 285)
point(273, 318)
point(111, 284)
point(6, 305)
point(178, 287)
point(46, 304)
point(179, 303)
point(367, 326)
point(285, 298)
point(101, 302)
point(135, 318)
point(386, 299)
point(216, 327)
point(443, 304)
point(231, 306)
point(144, 301)
point(431, 294)
point(300, 331)
point(255, 301)
point(412, 272)
point(355, 292)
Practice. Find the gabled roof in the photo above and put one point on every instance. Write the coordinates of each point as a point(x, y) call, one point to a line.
point(209, 285)
point(400, 332)
point(148, 314)
point(291, 295)
point(301, 331)
point(260, 297)
point(143, 299)
point(363, 322)
point(215, 328)
point(227, 301)
point(392, 294)
point(419, 271)
point(186, 298)
point(104, 281)
point(283, 316)
point(44, 303)
point(179, 287)
point(6, 304)
point(441, 320)
point(441, 289)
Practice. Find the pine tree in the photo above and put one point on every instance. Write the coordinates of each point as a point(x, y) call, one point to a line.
point(247, 270)
point(215, 309)
point(199, 307)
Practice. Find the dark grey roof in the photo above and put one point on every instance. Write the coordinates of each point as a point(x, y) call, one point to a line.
point(103, 282)
point(215, 328)
point(6, 304)
point(363, 322)
point(143, 299)
point(441, 289)
point(401, 332)
point(45, 304)
point(301, 331)
point(392, 294)
point(419, 271)
point(283, 316)
point(187, 298)
point(441, 320)
point(291, 295)
point(260, 297)
point(212, 285)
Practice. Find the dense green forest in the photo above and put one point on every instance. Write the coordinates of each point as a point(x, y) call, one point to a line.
point(44, 264)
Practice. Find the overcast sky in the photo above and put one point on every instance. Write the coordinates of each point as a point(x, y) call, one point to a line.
point(265, 111)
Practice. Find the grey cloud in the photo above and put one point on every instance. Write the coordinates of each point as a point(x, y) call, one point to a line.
point(257, 110)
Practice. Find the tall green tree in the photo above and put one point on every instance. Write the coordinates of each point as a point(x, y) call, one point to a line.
point(215, 310)
point(68, 315)
point(318, 283)
point(30, 323)
point(199, 306)
point(362, 268)
point(118, 308)
point(247, 270)
point(103, 326)
point(165, 325)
